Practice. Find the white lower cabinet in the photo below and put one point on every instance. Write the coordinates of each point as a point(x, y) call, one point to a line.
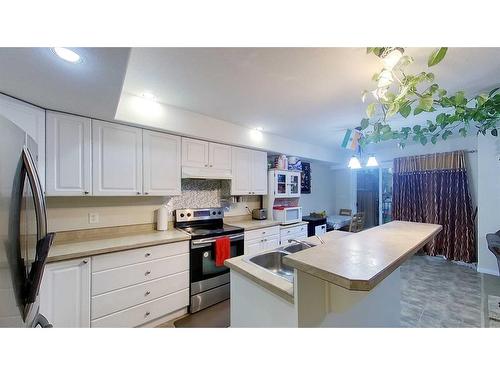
point(65, 293)
point(259, 240)
point(122, 289)
point(134, 287)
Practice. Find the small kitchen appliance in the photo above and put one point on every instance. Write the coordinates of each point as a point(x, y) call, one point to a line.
point(259, 214)
point(287, 215)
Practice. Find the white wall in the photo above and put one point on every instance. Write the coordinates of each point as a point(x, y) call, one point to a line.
point(345, 189)
point(488, 200)
point(136, 110)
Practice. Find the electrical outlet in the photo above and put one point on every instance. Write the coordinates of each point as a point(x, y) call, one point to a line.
point(93, 218)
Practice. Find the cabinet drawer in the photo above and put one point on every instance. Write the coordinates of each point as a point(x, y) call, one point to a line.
point(258, 233)
point(293, 231)
point(120, 299)
point(143, 313)
point(116, 278)
point(124, 258)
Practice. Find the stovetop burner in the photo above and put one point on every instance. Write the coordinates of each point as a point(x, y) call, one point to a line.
point(203, 223)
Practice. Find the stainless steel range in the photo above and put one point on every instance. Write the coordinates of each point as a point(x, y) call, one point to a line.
point(209, 283)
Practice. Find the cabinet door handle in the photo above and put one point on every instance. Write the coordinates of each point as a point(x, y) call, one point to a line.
point(206, 165)
point(147, 293)
point(211, 165)
point(146, 193)
point(85, 261)
point(147, 273)
point(147, 313)
point(147, 255)
point(86, 192)
point(138, 193)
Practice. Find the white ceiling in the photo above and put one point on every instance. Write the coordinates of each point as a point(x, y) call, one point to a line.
point(309, 94)
point(91, 88)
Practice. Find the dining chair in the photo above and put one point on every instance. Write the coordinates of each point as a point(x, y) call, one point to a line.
point(357, 222)
point(345, 212)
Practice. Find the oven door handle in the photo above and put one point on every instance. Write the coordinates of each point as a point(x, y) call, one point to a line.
point(204, 242)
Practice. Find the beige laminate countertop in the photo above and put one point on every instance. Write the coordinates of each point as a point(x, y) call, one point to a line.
point(251, 224)
point(361, 260)
point(276, 284)
point(80, 249)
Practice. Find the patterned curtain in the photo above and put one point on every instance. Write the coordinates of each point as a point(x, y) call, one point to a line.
point(433, 189)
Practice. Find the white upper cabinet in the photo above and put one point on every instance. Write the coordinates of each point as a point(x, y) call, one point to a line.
point(68, 160)
point(162, 163)
point(194, 153)
point(116, 159)
point(249, 172)
point(242, 171)
point(259, 172)
point(285, 184)
point(32, 120)
point(219, 156)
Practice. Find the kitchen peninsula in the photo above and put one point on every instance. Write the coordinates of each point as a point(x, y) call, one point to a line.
point(352, 280)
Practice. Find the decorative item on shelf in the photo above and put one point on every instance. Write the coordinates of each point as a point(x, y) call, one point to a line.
point(294, 163)
point(321, 214)
point(305, 178)
point(282, 162)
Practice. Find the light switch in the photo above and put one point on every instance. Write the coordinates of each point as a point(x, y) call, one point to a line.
point(93, 218)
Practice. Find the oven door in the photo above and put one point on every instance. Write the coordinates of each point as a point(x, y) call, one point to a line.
point(202, 258)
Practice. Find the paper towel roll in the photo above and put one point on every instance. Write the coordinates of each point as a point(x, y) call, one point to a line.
point(162, 218)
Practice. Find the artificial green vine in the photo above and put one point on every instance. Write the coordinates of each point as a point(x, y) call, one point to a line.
point(401, 93)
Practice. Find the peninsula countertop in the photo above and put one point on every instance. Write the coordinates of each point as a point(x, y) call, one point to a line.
point(274, 283)
point(362, 260)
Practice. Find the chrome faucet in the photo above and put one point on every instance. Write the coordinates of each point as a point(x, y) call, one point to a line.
point(320, 239)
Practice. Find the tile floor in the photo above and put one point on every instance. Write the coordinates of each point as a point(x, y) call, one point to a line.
point(434, 293)
point(437, 293)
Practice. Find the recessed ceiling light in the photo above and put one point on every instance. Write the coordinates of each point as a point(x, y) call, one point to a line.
point(67, 55)
point(148, 96)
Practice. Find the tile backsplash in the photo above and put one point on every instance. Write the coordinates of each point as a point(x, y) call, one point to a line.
point(72, 213)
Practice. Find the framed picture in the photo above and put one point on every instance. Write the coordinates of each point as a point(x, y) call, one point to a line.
point(305, 183)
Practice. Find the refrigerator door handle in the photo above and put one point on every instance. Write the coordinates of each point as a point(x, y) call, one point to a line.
point(41, 321)
point(36, 187)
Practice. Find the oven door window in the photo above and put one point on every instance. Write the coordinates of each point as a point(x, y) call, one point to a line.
point(203, 260)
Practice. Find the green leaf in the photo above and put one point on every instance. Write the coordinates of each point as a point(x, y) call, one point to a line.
point(386, 136)
point(493, 91)
point(405, 111)
point(441, 92)
point(363, 95)
point(393, 109)
point(434, 139)
point(416, 128)
point(446, 134)
point(370, 110)
point(425, 103)
point(429, 77)
point(494, 132)
point(460, 98)
point(364, 123)
point(417, 111)
point(463, 132)
point(436, 56)
point(423, 140)
point(440, 119)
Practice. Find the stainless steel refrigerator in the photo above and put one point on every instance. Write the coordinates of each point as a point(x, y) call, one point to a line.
point(24, 241)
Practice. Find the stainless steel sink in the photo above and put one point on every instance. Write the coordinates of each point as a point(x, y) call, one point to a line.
point(272, 261)
point(295, 247)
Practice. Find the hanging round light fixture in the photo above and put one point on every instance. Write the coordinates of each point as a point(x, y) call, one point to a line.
point(354, 163)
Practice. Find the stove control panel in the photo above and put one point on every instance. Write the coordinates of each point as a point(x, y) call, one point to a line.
point(195, 214)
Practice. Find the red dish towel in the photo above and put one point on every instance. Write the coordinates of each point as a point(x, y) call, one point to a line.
point(222, 250)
